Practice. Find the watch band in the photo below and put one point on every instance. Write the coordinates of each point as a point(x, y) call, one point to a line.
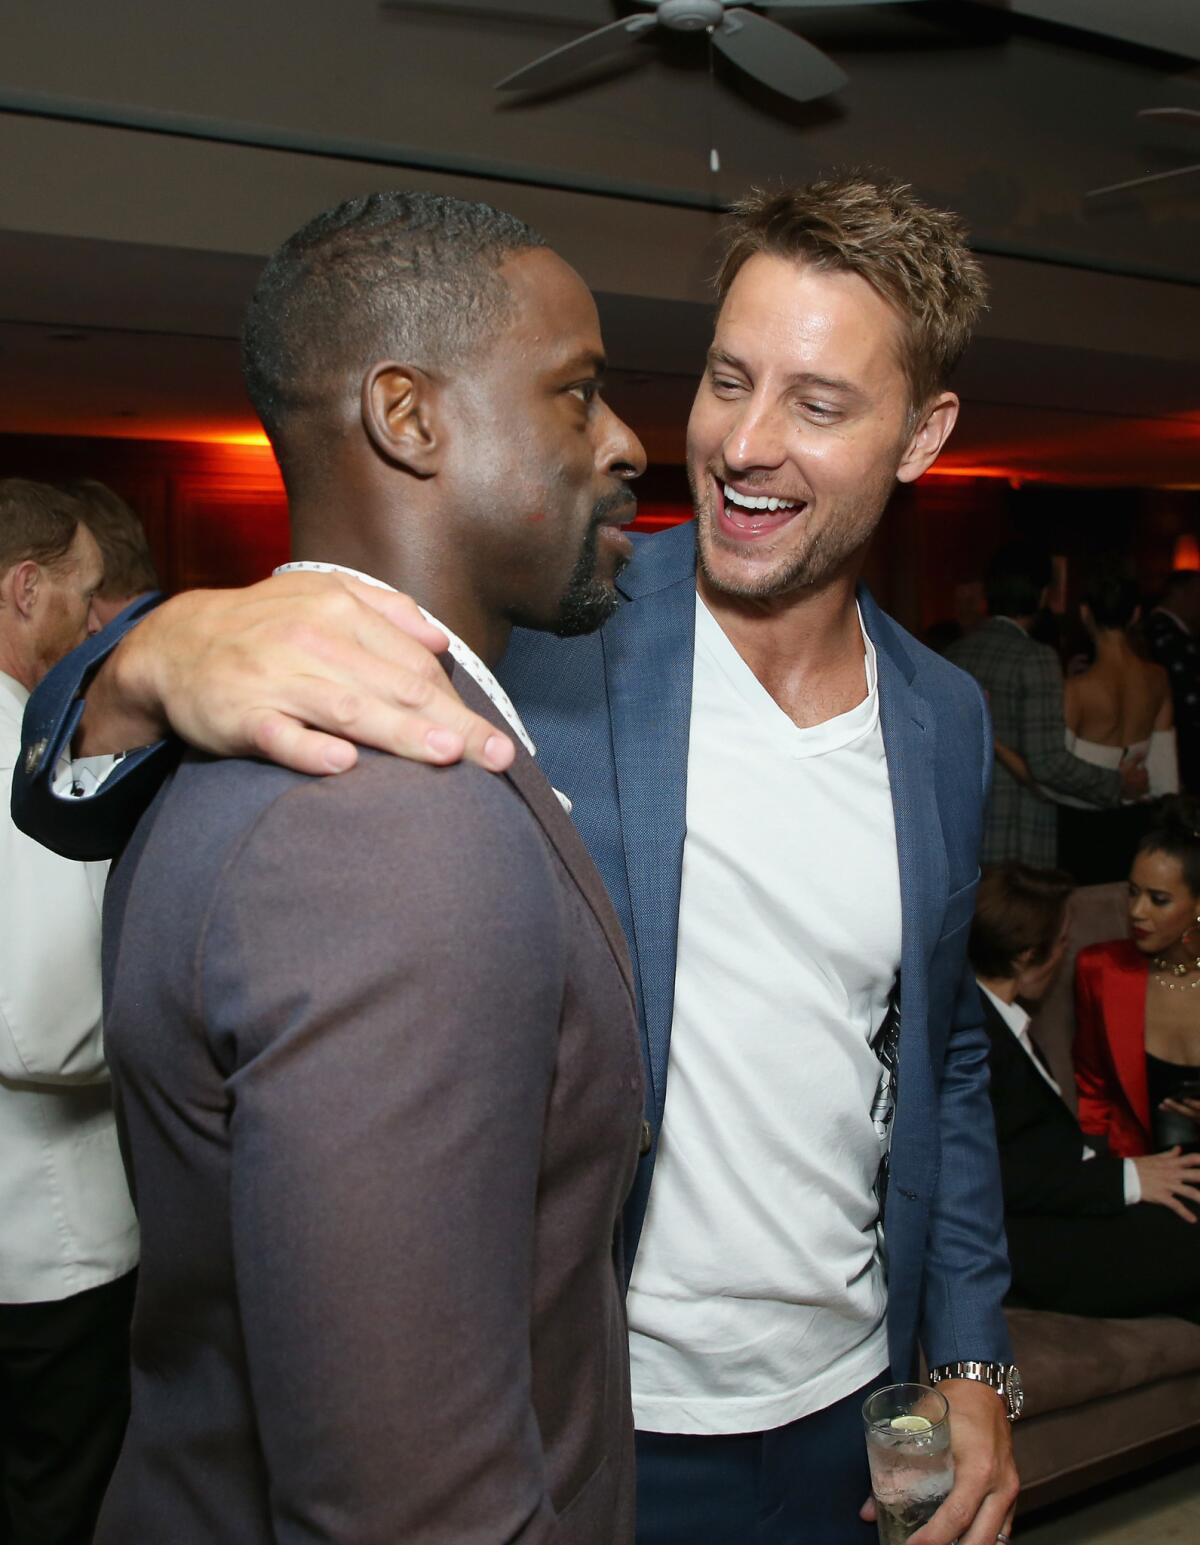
point(1004, 1378)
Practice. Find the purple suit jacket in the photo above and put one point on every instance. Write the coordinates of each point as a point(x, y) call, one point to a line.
point(374, 1045)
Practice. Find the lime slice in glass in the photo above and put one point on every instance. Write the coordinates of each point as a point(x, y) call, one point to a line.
point(911, 1424)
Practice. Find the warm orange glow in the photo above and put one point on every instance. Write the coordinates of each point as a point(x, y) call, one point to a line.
point(249, 437)
point(1187, 553)
point(985, 471)
point(231, 437)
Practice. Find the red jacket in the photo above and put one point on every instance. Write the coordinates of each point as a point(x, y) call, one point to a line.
point(1110, 1045)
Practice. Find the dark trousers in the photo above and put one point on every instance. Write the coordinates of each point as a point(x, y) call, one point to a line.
point(802, 1484)
point(64, 1401)
point(1144, 1260)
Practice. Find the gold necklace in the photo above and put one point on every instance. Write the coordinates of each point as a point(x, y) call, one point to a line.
point(1169, 969)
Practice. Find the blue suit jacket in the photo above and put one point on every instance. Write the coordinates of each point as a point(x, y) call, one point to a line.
point(610, 715)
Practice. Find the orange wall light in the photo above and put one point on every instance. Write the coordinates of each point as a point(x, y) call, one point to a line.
point(1187, 553)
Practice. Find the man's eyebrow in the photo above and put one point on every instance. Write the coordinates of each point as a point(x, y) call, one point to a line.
point(808, 378)
point(586, 359)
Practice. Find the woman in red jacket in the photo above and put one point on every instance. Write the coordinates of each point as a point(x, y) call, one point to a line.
point(1137, 1047)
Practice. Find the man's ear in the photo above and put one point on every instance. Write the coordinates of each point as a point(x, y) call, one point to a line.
point(937, 419)
point(19, 587)
point(400, 415)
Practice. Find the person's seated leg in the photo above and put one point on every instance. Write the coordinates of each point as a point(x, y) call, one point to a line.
point(1145, 1260)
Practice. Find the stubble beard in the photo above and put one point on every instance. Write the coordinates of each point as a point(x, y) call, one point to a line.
point(589, 601)
point(821, 555)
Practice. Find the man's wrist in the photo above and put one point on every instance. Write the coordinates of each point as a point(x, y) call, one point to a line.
point(1003, 1379)
point(122, 707)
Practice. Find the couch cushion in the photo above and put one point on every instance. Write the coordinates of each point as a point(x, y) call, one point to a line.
point(1066, 1359)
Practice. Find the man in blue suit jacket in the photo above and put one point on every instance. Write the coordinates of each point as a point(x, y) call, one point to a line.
point(822, 1020)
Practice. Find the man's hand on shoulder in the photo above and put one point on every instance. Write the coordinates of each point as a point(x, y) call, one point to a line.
point(297, 669)
point(981, 1504)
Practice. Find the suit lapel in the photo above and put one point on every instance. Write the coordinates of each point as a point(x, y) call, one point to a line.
point(909, 737)
point(533, 787)
point(910, 743)
point(648, 649)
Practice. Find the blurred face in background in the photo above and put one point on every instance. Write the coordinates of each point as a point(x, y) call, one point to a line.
point(64, 614)
point(1034, 977)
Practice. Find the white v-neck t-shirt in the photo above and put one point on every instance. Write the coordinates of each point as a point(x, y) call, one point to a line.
point(758, 1291)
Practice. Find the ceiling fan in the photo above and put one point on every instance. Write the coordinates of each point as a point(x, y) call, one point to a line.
point(764, 50)
point(773, 54)
point(1163, 114)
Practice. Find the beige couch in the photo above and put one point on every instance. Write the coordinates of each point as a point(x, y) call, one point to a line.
point(1102, 1396)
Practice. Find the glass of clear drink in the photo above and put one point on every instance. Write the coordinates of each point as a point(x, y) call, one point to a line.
point(908, 1447)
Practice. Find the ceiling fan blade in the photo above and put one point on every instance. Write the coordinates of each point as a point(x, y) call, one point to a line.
point(776, 57)
point(1140, 182)
point(1171, 114)
point(556, 67)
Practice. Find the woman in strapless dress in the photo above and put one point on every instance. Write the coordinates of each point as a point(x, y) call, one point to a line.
point(1119, 707)
point(1137, 1046)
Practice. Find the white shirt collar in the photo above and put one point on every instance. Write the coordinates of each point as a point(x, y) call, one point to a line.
point(15, 689)
point(462, 654)
point(1017, 1020)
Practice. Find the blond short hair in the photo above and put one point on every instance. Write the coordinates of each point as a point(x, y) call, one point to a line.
point(914, 257)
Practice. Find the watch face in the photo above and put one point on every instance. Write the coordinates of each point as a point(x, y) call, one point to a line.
point(1016, 1391)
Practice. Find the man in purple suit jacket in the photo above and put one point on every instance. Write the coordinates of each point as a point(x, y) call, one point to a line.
point(380, 1150)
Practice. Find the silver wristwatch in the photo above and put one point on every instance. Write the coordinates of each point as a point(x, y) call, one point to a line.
point(1004, 1378)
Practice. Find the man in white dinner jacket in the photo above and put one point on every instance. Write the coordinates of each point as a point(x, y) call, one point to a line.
point(69, 1242)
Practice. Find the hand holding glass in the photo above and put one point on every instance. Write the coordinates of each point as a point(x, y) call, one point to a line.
point(908, 1447)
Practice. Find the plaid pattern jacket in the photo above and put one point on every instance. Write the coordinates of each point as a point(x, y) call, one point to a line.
point(1025, 695)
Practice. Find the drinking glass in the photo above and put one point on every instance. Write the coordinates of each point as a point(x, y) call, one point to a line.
point(908, 1447)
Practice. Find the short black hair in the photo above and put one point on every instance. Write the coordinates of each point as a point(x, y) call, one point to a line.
point(1110, 593)
point(1015, 579)
point(1175, 831)
point(411, 276)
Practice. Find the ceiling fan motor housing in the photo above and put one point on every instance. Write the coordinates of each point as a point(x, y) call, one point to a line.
point(690, 15)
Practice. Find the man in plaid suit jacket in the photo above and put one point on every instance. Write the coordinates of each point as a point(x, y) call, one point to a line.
point(1023, 681)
